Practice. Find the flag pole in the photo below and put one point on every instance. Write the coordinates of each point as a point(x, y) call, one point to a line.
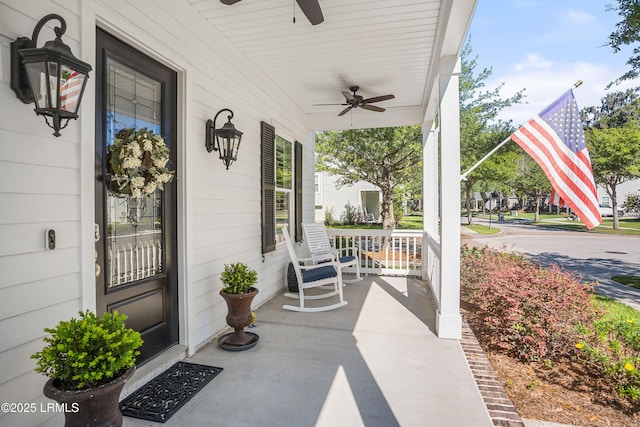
point(463, 177)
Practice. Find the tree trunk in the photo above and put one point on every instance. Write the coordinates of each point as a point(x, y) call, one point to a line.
point(388, 220)
point(611, 190)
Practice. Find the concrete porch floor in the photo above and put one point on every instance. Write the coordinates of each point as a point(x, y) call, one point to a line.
point(374, 362)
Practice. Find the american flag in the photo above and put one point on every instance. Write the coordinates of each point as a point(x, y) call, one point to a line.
point(70, 91)
point(555, 140)
point(556, 200)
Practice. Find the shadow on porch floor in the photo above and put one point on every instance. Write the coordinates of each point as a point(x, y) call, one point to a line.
point(374, 362)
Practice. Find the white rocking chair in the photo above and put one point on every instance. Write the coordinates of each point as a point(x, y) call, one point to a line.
point(314, 276)
point(315, 235)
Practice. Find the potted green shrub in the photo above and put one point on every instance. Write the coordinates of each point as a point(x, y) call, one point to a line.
point(238, 292)
point(89, 359)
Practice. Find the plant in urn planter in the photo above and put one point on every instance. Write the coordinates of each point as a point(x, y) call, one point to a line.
point(238, 293)
point(89, 359)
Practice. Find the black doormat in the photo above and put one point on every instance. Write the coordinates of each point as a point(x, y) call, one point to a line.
point(161, 397)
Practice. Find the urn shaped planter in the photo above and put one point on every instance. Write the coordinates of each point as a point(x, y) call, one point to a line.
point(92, 407)
point(238, 292)
point(88, 361)
point(239, 316)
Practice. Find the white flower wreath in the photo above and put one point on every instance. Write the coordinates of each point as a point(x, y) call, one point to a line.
point(138, 163)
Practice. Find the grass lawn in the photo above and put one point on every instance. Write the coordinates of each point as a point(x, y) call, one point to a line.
point(628, 226)
point(411, 222)
point(483, 229)
point(520, 215)
point(407, 222)
point(623, 222)
point(618, 310)
point(633, 281)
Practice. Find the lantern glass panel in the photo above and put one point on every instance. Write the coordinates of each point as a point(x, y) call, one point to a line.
point(235, 147)
point(71, 84)
point(226, 144)
point(37, 78)
point(53, 85)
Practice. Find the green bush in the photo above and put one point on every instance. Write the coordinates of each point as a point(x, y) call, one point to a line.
point(238, 278)
point(612, 345)
point(89, 351)
point(350, 214)
point(329, 219)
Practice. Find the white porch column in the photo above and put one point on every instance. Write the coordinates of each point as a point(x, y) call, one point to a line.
point(430, 176)
point(449, 320)
point(430, 205)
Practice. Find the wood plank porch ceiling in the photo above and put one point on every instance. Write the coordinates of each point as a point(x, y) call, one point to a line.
point(383, 46)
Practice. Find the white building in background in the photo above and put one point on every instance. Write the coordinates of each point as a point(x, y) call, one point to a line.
point(361, 197)
point(622, 191)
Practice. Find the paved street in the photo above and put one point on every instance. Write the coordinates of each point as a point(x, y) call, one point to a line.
point(595, 256)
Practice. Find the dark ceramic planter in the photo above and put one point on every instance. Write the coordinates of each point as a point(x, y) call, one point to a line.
point(239, 316)
point(93, 407)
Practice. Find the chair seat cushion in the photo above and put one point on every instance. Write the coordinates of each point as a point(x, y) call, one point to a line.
point(319, 273)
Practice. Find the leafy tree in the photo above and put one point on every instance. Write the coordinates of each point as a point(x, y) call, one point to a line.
point(612, 130)
point(615, 158)
point(632, 204)
point(616, 109)
point(627, 32)
point(481, 131)
point(384, 157)
point(532, 181)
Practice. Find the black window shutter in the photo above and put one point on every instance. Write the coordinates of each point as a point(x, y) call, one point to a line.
point(268, 187)
point(298, 190)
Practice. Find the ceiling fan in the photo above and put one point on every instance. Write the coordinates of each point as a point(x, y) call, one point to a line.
point(353, 100)
point(310, 8)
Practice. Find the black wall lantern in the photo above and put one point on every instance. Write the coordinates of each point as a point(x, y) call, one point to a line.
point(226, 140)
point(50, 76)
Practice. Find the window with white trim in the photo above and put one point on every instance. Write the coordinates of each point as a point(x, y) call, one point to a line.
point(284, 185)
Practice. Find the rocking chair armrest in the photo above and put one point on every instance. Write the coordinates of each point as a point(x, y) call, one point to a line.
point(333, 256)
point(305, 261)
point(335, 264)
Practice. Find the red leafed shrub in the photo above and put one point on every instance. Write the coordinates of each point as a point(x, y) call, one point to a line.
point(532, 312)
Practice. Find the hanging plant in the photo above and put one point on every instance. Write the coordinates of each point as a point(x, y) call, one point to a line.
point(137, 162)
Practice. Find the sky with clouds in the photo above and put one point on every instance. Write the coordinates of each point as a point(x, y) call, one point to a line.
point(545, 46)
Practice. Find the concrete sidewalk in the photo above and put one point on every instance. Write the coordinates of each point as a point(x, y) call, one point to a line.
point(374, 362)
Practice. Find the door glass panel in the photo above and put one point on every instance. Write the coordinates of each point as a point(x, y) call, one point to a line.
point(134, 225)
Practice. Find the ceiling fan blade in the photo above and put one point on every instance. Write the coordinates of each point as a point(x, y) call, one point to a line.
point(372, 108)
point(345, 111)
point(317, 105)
point(311, 9)
point(229, 2)
point(378, 98)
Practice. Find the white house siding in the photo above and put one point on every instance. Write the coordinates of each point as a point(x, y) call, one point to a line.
point(47, 182)
point(335, 199)
point(622, 191)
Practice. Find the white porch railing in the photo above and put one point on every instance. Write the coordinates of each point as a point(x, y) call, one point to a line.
point(393, 252)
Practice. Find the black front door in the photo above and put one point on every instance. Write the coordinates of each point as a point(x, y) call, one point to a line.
point(136, 272)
